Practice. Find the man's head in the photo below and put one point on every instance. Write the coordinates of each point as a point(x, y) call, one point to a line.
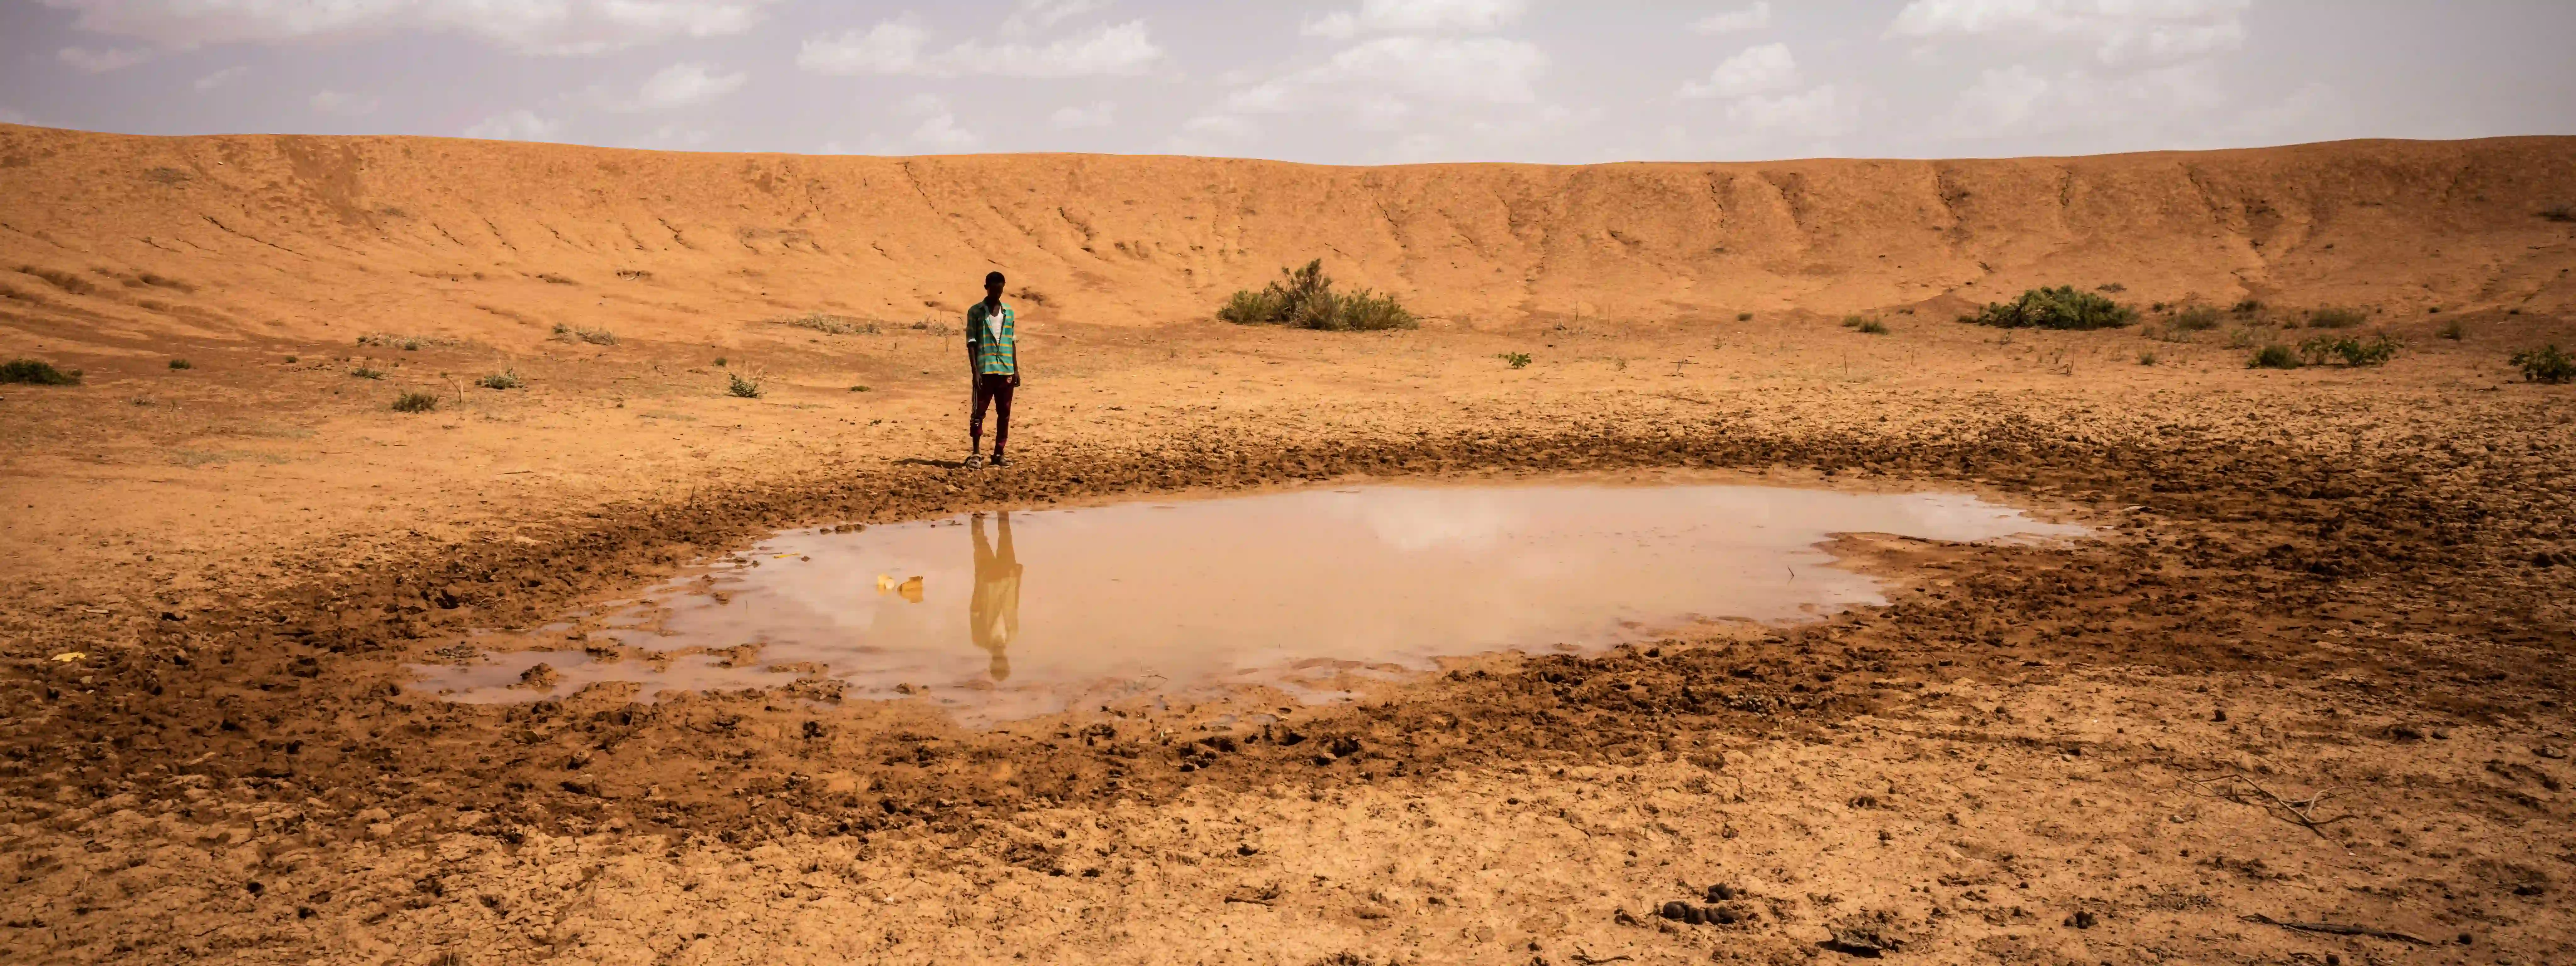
point(992, 286)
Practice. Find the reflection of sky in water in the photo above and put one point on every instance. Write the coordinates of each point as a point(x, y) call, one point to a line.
point(1288, 590)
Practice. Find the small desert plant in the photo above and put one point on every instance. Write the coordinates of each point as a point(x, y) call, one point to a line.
point(2198, 318)
point(2559, 213)
point(720, 361)
point(634, 274)
point(1853, 321)
point(1516, 360)
point(363, 372)
point(504, 379)
point(2147, 358)
point(829, 324)
point(2274, 356)
point(290, 360)
point(2349, 350)
point(2546, 364)
point(1304, 298)
point(747, 387)
point(2454, 331)
point(2111, 287)
point(566, 333)
point(2335, 318)
point(1744, 316)
point(37, 372)
point(1030, 295)
point(2240, 339)
point(858, 388)
point(551, 278)
point(415, 402)
point(1872, 327)
point(2246, 307)
point(2055, 308)
point(181, 364)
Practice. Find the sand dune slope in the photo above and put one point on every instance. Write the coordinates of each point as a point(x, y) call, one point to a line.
point(118, 240)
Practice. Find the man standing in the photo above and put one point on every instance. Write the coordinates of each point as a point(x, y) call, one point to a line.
point(993, 360)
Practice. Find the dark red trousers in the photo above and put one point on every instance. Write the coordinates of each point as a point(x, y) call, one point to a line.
point(996, 389)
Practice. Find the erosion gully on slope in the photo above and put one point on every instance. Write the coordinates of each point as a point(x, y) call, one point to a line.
point(1010, 615)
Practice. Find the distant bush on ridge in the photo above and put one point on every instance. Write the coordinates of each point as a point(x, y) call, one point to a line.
point(1305, 299)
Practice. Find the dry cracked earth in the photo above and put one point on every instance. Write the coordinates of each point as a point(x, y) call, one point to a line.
point(2299, 700)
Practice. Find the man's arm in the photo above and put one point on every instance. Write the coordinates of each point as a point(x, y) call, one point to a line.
point(971, 331)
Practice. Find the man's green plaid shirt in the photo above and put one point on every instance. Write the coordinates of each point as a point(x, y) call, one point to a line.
point(996, 351)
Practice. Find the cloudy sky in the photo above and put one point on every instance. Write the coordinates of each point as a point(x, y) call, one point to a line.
point(1343, 81)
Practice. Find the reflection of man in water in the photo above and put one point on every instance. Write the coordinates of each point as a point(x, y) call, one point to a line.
point(993, 615)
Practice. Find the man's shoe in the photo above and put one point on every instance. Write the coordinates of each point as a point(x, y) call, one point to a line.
point(999, 463)
point(974, 461)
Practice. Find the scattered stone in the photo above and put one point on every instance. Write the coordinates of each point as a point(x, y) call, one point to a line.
point(1865, 938)
point(1675, 909)
point(2082, 919)
point(2218, 715)
point(1721, 892)
point(542, 677)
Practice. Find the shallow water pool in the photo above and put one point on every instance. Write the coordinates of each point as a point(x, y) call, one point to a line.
point(1007, 615)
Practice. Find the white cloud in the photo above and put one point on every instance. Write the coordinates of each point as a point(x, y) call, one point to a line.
point(2123, 32)
point(899, 47)
point(1397, 15)
point(1035, 15)
point(518, 125)
point(1467, 70)
point(938, 128)
point(1221, 125)
point(564, 27)
point(1101, 114)
point(345, 105)
point(2000, 100)
point(1766, 69)
point(1754, 17)
point(892, 47)
point(673, 135)
point(220, 78)
point(682, 85)
point(1821, 112)
point(101, 61)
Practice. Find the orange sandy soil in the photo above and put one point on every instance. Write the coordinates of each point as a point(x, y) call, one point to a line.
point(2311, 671)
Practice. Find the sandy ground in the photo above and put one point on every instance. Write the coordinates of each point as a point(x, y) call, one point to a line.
point(2300, 701)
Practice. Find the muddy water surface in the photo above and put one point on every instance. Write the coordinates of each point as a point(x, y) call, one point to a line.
point(1006, 615)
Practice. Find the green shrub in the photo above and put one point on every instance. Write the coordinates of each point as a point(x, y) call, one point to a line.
point(1744, 316)
point(858, 388)
point(37, 372)
point(2198, 318)
point(2546, 364)
point(2274, 356)
point(2350, 351)
point(2055, 308)
point(1516, 360)
point(2147, 358)
point(504, 379)
point(720, 361)
point(2336, 318)
point(415, 402)
point(2559, 213)
point(363, 372)
point(2246, 307)
point(747, 387)
point(181, 364)
point(1872, 327)
point(2454, 331)
point(1304, 298)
